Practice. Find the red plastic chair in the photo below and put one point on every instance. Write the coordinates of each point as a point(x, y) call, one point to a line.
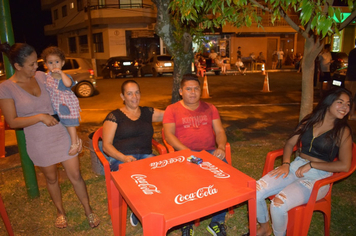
point(299, 218)
point(5, 218)
point(3, 126)
point(98, 135)
point(227, 157)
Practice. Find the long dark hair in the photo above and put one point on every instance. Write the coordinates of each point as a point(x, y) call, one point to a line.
point(17, 53)
point(318, 114)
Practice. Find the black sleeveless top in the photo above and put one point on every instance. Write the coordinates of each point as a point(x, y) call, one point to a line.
point(133, 136)
point(318, 147)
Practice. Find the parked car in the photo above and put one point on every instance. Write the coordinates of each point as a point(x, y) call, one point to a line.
point(157, 65)
point(82, 73)
point(338, 78)
point(120, 66)
point(340, 60)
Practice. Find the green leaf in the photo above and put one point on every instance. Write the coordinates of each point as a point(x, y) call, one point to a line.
point(314, 22)
point(338, 14)
point(331, 11)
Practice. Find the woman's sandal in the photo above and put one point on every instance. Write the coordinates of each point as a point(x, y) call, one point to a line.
point(93, 220)
point(61, 222)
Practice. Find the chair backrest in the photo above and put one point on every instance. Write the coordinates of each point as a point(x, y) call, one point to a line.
point(227, 148)
point(96, 137)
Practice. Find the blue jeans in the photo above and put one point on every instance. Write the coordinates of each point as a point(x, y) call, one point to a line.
point(114, 163)
point(293, 191)
point(218, 216)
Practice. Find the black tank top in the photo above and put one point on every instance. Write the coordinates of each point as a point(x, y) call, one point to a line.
point(318, 147)
point(133, 136)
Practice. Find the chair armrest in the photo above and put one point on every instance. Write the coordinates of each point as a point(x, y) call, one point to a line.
point(168, 146)
point(228, 153)
point(159, 147)
point(270, 159)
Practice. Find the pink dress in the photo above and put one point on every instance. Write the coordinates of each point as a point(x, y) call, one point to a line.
point(45, 145)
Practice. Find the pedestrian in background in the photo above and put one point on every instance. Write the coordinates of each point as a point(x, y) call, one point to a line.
point(220, 62)
point(350, 81)
point(239, 55)
point(274, 60)
point(280, 54)
point(261, 58)
point(240, 67)
point(325, 60)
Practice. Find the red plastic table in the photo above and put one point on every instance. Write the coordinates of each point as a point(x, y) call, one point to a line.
point(167, 190)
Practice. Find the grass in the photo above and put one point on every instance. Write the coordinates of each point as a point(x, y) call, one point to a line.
point(36, 216)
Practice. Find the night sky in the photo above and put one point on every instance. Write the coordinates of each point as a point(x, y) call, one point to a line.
point(28, 23)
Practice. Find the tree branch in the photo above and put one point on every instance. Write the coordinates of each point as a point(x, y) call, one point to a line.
point(348, 20)
point(261, 6)
point(290, 21)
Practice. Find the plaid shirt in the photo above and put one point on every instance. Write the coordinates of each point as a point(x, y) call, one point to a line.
point(66, 97)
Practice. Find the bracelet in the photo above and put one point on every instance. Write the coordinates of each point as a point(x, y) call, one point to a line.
point(286, 163)
point(310, 164)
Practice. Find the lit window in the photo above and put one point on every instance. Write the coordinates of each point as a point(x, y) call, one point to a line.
point(71, 5)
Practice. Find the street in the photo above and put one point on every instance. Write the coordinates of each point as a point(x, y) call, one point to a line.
point(236, 98)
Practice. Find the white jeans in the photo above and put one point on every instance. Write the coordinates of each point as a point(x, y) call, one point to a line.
point(293, 191)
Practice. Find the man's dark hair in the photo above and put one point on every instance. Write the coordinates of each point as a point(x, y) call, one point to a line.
point(188, 77)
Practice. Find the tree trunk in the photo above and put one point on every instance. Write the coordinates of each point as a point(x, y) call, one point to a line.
point(182, 65)
point(181, 51)
point(312, 48)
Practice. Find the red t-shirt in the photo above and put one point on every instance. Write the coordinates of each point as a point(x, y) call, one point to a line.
point(193, 128)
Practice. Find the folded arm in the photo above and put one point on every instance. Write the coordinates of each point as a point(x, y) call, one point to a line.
point(9, 111)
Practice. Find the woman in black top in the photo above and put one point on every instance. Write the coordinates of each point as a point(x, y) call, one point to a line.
point(323, 134)
point(128, 131)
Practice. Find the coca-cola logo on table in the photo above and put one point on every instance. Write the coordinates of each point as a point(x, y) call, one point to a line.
point(163, 163)
point(144, 185)
point(200, 193)
point(217, 172)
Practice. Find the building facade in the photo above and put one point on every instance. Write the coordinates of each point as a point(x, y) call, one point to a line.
point(126, 28)
point(119, 28)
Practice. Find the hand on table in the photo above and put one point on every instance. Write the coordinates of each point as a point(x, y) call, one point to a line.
point(129, 159)
point(219, 153)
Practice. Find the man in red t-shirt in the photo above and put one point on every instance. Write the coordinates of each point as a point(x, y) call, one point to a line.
point(196, 125)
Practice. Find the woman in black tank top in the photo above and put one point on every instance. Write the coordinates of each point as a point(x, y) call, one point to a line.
point(320, 136)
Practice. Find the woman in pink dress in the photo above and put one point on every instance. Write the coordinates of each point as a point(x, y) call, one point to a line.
point(26, 104)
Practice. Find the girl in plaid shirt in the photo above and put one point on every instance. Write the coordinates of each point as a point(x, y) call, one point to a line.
point(64, 101)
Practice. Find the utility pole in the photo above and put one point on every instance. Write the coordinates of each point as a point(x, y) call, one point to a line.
point(28, 169)
point(90, 40)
